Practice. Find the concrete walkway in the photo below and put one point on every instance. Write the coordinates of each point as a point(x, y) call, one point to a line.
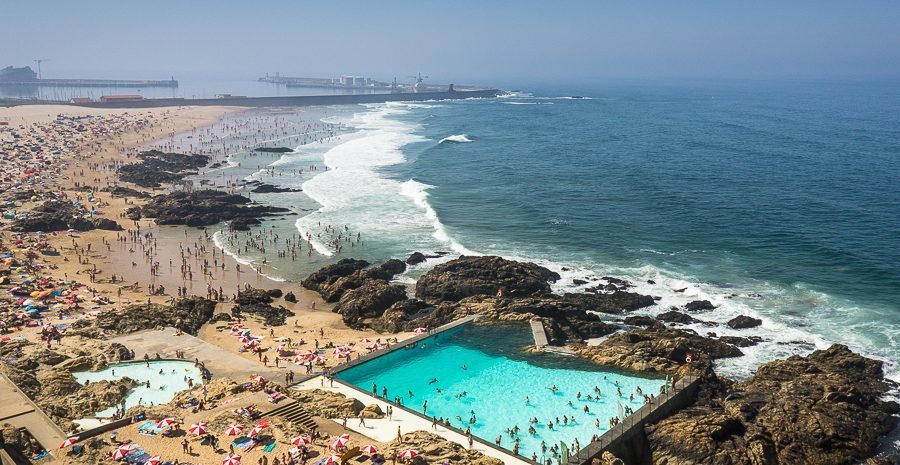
point(385, 430)
point(217, 360)
point(18, 410)
point(538, 332)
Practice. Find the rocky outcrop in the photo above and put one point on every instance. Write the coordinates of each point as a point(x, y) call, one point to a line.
point(258, 302)
point(401, 316)
point(320, 280)
point(415, 258)
point(826, 408)
point(368, 302)
point(699, 306)
point(435, 449)
point(270, 189)
point(327, 404)
point(55, 215)
point(471, 276)
point(657, 349)
point(205, 208)
point(187, 314)
point(641, 320)
point(273, 149)
point(743, 322)
point(674, 316)
point(122, 191)
point(155, 168)
point(612, 303)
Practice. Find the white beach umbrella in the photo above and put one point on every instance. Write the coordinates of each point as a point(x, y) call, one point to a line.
point(68, 442)
point(197, 429)
point(234, 429)
point(231, 459)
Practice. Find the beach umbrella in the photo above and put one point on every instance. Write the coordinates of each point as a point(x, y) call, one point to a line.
point(234, 429)
point(244, 339)
point(310, 353)
point(300, 440)
point(338, 351)
point(420, 330)
point(338, 443)
point(369, 449)
point(68, 442)
point(333, 460)
point(254, 432)
point(165, 423)
point(122, 451)
point(231, 459)
point(345, 436)
point(279, 348)
point(365, 340)
point(409, 453)
point(258, 379)
point(153, 460)
point(197, 429)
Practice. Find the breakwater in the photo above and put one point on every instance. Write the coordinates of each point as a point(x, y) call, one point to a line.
point(287, 101)
point(91, 83)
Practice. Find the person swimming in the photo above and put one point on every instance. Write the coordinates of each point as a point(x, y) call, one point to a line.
point(433, 380)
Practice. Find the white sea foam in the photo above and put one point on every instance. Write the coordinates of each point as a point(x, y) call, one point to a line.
point(456, 138)
point(220, 243)
point(418, 192)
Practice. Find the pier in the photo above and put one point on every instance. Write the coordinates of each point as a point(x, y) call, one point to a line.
point(539, 333)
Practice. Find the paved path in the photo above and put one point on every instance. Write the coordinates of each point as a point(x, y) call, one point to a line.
point(218, 360)
point(385, 430)
point(18, 410)
point(540, 335)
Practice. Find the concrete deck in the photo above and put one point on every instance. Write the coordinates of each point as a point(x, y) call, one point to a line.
point(217, 360)
point(18, 410)
point(385, 430)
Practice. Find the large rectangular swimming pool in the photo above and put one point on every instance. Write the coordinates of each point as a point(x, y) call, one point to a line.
point(479, 377)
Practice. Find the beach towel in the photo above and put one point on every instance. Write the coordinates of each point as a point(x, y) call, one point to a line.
point(240, 440)
point(39, 456)
point(269, 447)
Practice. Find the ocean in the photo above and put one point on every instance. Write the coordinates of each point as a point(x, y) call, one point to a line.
point(778, 200)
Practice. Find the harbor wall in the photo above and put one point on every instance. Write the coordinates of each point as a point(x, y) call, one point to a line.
point(294, 101)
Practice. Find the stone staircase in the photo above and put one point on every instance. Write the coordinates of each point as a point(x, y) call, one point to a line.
point(294, 412)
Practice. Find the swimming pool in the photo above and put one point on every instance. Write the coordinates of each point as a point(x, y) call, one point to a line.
point(479, 377)
point(166, 377)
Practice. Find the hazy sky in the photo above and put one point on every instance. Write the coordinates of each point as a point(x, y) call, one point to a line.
point(453, 40)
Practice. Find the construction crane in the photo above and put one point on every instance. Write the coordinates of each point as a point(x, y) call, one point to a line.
point(419, 86)
point(39, 61)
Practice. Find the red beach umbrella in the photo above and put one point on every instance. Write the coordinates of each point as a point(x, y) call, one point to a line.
point(369, 449)
point(300, 440)
point(68, 442)
point(338, 443)
point(365, 340)
point(420, 330)
point(165, 423)
point(231, 459)
point(197, 429)
point(258, 379)
point(409, 453)
point(122, 450)
point(254, 432)
point(234, 429)
point(333, 460)
point(153, 460)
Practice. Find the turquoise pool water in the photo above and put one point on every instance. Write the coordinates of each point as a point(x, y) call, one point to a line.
point(481, 371)
point(166, 377)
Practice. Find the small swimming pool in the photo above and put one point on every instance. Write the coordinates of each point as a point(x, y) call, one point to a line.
point(479, 377)
point(166, 378)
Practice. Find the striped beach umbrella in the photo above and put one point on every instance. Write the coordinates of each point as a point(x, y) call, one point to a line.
point(165, 423)
point(258, 379)
point(234, 429)
point(231, 459)
point(68, 442)
point(345, 436)
point(339, 443)
point(254, 432)
point(333, 460)
point(153, 460)
point(369, 449)
point(409, 453)
point(300, 440)
point(365, 340)
point(122, 451)
point(420, 330)
point(197, 429)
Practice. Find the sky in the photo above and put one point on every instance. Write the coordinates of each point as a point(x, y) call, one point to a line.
point(454, 41)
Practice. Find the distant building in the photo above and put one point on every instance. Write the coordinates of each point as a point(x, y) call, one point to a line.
point(120, 98)
point(81, 100)
point(17, 74)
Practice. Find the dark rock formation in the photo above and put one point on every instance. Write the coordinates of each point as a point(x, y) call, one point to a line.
point(204, 208)
point(469, 276)
point(368, 301)
point(741, 341)
point(122, 191)
point(415, 258)
point(290, 297)
point(273, 149)
point(320, 280)
point(133, 213)
point(613, 303)
point(676, 317)
point(270, 189)
point(55, 215)
point(156, 168)
point(401, 315)
point(658, 349)
point(332, 281)
point(743, 322)
point(275, 293)
point(699, 305)
point(639, 321)
point(188, 314)
point(258, 302)
point(827, 408)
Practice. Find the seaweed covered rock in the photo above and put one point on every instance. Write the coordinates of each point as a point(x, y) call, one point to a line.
point(155, 168)
point(56, 215)
point(368, 301)
point(470, 276)
point(258, 302)
point(319, 280)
